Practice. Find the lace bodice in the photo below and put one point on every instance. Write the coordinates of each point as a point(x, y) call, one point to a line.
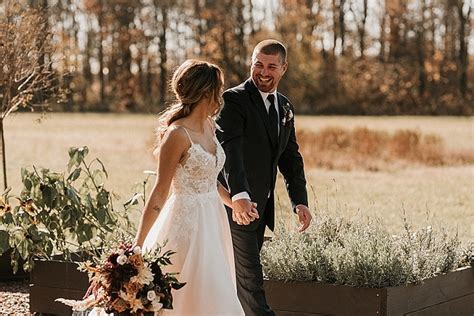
point(198, 174)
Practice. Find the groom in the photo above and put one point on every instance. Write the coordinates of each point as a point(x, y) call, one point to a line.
point(258, 135)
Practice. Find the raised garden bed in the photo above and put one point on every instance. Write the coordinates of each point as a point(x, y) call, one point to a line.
point(6, 271)
point(52, 279)
point(449, 294)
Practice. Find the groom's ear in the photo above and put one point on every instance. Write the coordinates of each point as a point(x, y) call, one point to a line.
point(284, 68)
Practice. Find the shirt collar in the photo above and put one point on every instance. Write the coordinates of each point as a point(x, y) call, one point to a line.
point(265, 95)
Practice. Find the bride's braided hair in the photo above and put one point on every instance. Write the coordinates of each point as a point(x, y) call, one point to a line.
point(191, 81)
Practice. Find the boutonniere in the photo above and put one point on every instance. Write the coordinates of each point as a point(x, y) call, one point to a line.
point(287, 114)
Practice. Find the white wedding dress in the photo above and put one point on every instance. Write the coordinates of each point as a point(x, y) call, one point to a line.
point(194, 223)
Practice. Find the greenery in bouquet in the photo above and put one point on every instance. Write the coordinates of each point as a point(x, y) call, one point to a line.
point(58, 213)
point(124, 279)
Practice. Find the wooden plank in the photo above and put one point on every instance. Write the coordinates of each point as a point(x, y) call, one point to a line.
point(42, 299)
point(58, 274)
point(406, 299)
point(463, 306)
point(317, 298)
point(289, 313)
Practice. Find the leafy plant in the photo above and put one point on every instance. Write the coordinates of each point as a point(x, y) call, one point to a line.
point(59, 213)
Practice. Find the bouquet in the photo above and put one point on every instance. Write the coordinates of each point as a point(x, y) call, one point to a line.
point(126, 280)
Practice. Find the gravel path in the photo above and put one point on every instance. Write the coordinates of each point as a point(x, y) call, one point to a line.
point(14, 298)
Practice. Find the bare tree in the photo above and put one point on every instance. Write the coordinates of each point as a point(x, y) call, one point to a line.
point(26, 76)
point(396, 10)
point(464, 11)
point(360, 13)
point(383, 25)
point(162, 19)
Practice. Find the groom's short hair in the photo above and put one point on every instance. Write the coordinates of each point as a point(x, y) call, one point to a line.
point(270, 47)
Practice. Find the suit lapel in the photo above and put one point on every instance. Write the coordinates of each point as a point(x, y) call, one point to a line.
point(281, 114)
point(260, 106)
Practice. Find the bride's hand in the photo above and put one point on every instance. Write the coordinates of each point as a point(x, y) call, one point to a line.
point(254, 212)
point(244, 211)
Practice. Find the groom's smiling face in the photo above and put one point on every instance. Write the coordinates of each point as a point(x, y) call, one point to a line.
point(267, 71)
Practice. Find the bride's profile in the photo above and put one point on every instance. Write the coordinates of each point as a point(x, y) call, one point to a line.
point(186, 205)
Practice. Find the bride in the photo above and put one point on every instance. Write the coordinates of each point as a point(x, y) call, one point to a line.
point(192, 219)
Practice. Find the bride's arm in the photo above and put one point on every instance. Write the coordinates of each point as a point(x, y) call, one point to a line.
point(224, 194)
point(227, 200)
point(173, 146)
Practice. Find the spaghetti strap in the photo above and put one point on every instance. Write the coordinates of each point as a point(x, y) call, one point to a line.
point(187, 133)
point(212, 124)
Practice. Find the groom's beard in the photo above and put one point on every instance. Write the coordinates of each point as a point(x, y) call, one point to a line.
point(265, 85)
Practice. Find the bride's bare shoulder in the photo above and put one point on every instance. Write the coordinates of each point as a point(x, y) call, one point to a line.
point(176, 133)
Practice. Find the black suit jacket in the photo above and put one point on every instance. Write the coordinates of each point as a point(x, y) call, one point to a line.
point(252, 159)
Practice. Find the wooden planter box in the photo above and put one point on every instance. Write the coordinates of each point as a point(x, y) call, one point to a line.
point(449, 294)
point(6, 271)
point(54, 279)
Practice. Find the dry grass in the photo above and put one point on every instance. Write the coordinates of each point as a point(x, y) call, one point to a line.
point(429, 196)
point(363, 148)
point(457, 133)
point(123, 142)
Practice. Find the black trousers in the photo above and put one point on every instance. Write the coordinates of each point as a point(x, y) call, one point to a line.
point(247, 246)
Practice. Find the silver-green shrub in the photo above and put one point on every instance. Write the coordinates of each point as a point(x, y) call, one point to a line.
point(364, 254)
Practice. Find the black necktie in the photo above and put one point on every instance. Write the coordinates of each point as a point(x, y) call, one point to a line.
point(273, 116)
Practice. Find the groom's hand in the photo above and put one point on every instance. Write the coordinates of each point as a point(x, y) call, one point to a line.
point(304, 216)
point(242, 212)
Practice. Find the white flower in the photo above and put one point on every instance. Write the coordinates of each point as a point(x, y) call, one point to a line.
point(287, 114)
point(151, 295)
point(137, 250)
point(122, 259)
point(156, 305)
point(290, 115)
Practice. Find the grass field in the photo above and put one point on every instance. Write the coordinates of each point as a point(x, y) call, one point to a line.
point(124, 143)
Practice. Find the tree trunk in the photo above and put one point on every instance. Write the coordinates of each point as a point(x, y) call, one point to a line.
point(361, 29)
point(342, 25)
point(382, 36)
point(395, 11)
point(86, 69)
point(199, 32)
point(163, 55)
point(420, 43)
point(433, 26)
point(4, 159)
point(421, 63)
point(334, 27)
point(101, 55)
point(463, 56)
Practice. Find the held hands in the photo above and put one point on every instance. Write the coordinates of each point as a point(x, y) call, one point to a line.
point(244, 211)
point(304, 217)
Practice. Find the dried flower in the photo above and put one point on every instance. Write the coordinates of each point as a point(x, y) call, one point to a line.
point(4, 207)
point(136, 260)
point(126, 280)
point(144, 275)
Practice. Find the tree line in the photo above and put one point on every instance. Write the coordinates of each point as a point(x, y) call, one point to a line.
point(345, 56)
